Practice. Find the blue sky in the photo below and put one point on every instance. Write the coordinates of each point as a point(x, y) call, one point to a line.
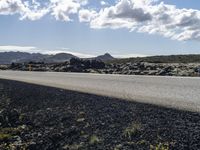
point(121, 27)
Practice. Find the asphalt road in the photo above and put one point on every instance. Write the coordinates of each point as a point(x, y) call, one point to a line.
point(175, 92)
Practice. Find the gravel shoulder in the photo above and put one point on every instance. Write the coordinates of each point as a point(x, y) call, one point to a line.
point(38, 117)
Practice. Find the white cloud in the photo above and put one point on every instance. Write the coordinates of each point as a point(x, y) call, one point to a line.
point(86, 15)
point(83, 2)
point(17, 48)
point(32, 10)
point(62, 9)
point(78, 54)
point(9, 7)
point(32, 49)
point(26, 10)
point(65, 50)
point(128, 55)
point(103, 3)
point(31, 15)
point(122, 15)
point(150, 16)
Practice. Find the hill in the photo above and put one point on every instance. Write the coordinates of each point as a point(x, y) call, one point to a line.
point(105, 57)
point(161, 59)
point(60, 57)
point(21, 57)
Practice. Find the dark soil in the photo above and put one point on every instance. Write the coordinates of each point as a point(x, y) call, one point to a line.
point(42, 118)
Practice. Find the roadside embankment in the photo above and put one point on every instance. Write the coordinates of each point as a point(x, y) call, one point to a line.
point(40, 117)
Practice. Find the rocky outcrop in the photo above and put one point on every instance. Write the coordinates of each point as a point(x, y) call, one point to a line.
point(3, 67)
point(74, 65)
point(162, 69)
point(94, 66)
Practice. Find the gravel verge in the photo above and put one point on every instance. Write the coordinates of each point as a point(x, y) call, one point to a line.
point(42, 118)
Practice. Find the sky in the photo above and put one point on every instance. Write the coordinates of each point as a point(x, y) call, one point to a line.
point(87, 28)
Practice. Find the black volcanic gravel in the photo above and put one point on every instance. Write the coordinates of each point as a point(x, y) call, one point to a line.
point(43, 118)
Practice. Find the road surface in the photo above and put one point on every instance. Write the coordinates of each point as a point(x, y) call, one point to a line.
point(175, 92)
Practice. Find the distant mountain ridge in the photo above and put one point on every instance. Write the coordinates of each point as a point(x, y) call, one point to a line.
point(20, 57)
point(105, 57)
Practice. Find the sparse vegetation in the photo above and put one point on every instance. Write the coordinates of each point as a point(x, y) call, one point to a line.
point(160, 146)
point(73, 147)
point(94, 140)
point(118, 147)
point(4, 136)
point(80, 119)
point(132, 130)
